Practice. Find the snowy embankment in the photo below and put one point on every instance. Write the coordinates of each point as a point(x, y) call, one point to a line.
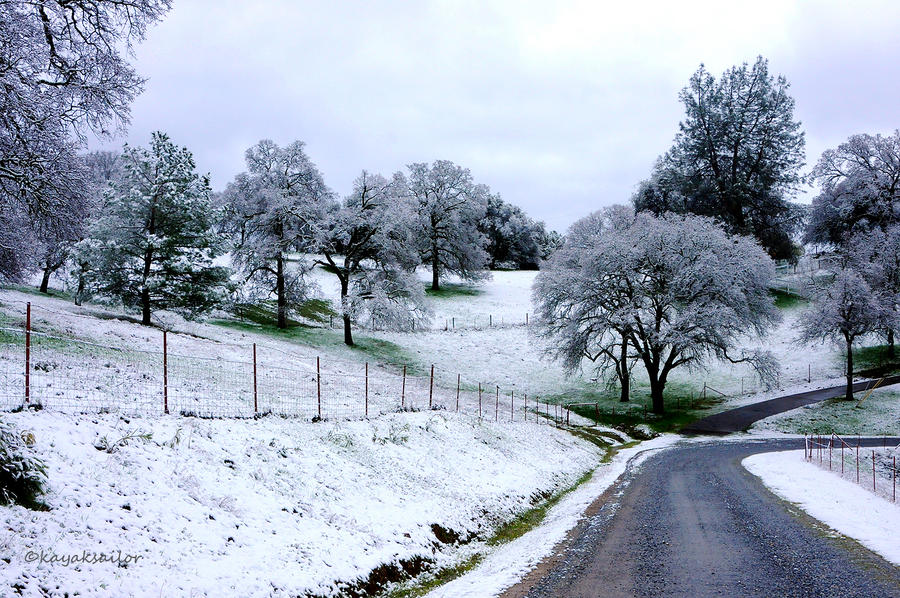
point(844, 506)
point(271, 507)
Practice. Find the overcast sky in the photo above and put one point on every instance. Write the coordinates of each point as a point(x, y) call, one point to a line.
point(561, 107)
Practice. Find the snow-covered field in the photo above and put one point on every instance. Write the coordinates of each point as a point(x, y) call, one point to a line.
point(878, 415)
point(271, 507)
point(844, 506)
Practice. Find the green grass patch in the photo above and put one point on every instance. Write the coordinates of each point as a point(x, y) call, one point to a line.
point(437, 579)
point(266, 313)
point(30, 290)
point(875, 362)
point(365, 348)
point(785, 300)
point(449, 290)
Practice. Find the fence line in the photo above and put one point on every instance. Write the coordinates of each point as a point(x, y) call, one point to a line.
point(870, 468)
point(52, 370)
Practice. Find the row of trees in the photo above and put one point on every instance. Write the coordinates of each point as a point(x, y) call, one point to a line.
point(151, 233)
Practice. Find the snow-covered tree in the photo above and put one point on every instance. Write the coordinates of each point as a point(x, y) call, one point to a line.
point(876, 256)
point(450, 206)
point(154, 245)
point(842, 311)
point(514, 239)
point(63, 74)
point(271, 211)
point(860, 189)
point(678, 288)
point(369, 244)
point(572, 341)
point(736, 158)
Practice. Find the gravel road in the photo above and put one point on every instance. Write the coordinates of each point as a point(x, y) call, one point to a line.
point(690, 521)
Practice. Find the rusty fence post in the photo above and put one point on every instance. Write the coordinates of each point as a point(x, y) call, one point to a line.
point(255, 388)
point(431, 387)
point(367, 389)
point(28, 352)
point(319, 388)
point(165, 373)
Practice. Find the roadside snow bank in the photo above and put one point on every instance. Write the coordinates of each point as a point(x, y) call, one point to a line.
point(842, 505)
point(510, 562)
point(269, 507)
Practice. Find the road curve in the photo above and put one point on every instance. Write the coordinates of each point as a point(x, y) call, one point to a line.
point(741, 418)
point(691, 521)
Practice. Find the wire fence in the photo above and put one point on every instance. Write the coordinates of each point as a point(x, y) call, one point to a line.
point(875, 469)
point(448, 324)
point(59, 371)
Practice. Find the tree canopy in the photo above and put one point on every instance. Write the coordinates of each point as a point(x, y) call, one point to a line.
point(736, 158)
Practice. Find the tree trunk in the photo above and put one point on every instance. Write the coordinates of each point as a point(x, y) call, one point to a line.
point(656, 395)
point(45, 280)
point(891, 352)
point(280, 292)
point(435, 269)
point(79, 293)
point(145, 306)
point(624, 378)
point(849, 368)
point(345, 312)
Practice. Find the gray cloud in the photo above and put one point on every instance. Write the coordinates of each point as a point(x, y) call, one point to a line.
point(560, 107)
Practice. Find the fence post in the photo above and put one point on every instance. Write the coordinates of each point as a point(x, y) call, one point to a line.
point(490, 320)
point(895, 479)
point(28, 352)
point(403, 391)
point(479, 400)
point(857, 463)
point(512, 400)
point(319, 387)
point(165, 373)
point(873, 471)
point(497, 405)
point(431, 387)
point(454, 323)
point(367, 389)
point(457, 391)
point(526, 406)
point(567, 415)
point(526, 318)
point(255, 396)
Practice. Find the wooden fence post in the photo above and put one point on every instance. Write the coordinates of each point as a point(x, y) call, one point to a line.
point(28, 352)
point(319, 387)
point(479, 400)
point(255, 395)
point(165, 373)
point(431, 387)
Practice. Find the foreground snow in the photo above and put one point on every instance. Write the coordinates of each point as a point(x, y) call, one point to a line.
point(270, 507)
point(842, 505)
point(506, 565)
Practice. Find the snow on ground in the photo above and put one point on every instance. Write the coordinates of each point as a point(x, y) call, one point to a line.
point(271, 506)
point(845, 507)
point(507, 564)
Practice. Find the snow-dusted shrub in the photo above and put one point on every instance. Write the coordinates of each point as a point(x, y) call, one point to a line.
point(23, 477)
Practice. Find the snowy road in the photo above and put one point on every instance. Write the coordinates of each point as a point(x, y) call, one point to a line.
point(691, 521)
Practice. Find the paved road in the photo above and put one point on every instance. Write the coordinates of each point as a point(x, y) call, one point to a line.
point(737, 420)
point(692, 522)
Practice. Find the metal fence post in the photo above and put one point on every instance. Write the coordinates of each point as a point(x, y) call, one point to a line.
point(512, 401)
point(525, 410)
point(497, 405)
point(319, 387)
point(28, 352)
point(367, 389)
point(479, 400)
point(255, 394)
point(873, 471)
point(165, 373)
point(403, 390)
point(458, 376)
